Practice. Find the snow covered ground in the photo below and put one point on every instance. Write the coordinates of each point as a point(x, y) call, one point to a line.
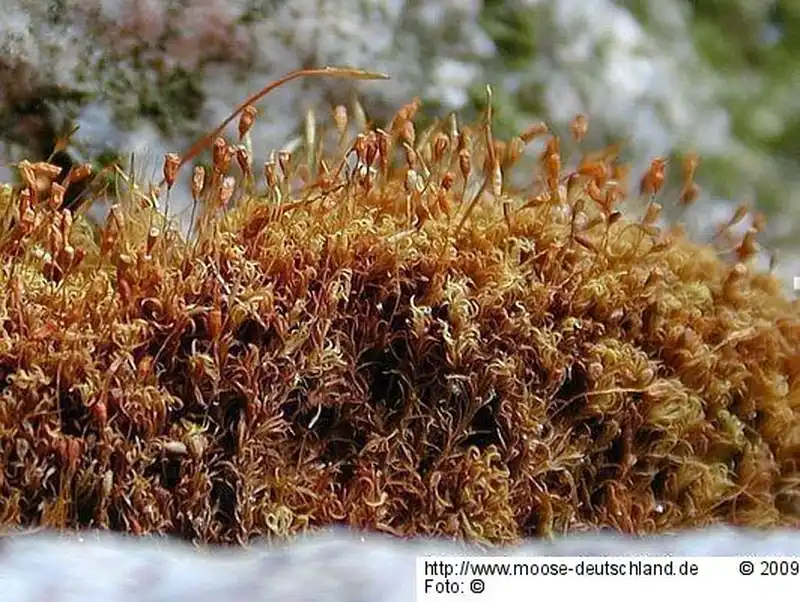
point(330, 567)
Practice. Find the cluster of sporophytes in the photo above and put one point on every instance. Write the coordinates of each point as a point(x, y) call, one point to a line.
point(382, 332)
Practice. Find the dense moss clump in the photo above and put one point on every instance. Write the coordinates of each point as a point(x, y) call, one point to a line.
point(387, 335)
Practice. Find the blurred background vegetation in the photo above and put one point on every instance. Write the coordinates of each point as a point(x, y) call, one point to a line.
point(721, 77)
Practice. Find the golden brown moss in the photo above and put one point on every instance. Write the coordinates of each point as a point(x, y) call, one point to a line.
point(392, 337)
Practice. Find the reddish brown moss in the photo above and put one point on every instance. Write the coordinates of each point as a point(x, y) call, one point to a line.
point(392, 338)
